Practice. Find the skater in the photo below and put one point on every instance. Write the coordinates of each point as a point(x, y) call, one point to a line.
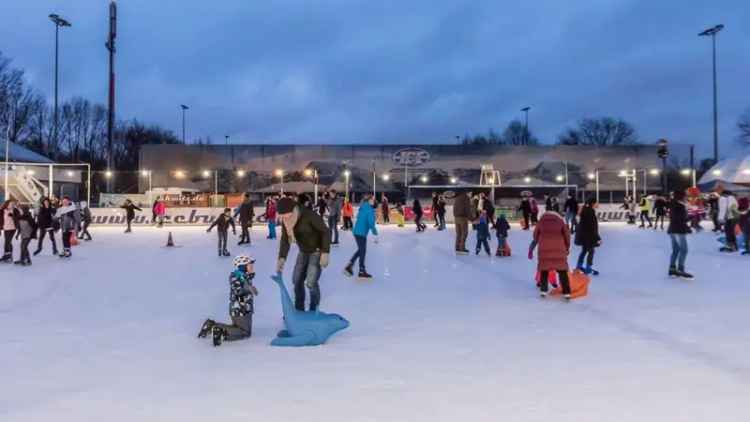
point(385, 209)
point(334, 212)
point(571, 211)
point(440, 213)
point(743, 205)
point(525, 209)
point(400, 217)
point(271, 217)
point(501, 231)
point(160, 210)
point(66, 215)
point(347, 212)
point(222, 224)
point(322, 204)
point(85, 221)
point(418, 213)
point(678, 230)
point(26, 231)
point(154, 215)
point(645, 208)
point(483, 234)
point(46, 223)
point(130, 209)
point(435, 200)
point(713, 211)
point(364, 225)
point(489, 207)
point(462, 213)
point(307, 229)
point(534, 211)
point(9, 215)
point(246, 214)
point(241, 301)
point(552, 237)
point(728, 215)
point(660, 208)
point(587, 236)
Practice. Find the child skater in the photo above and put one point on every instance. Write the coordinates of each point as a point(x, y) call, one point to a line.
point(85, 221)
point(222, 227)
point(501, 230)
point(26, 231)
point(241, 294)
point(483, 234)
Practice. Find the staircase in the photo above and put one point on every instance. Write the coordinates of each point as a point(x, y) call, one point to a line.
point(24, 187)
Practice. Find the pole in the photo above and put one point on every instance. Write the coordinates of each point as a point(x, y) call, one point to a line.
point(88, 185)
point(226, 139)
point(57, 59)
point(282, 183)
point(716, 104)
point(597, 186)
point(183, 124)
point(526, 128)
point(315, 186)
point(664, 186)
point(216, 185)
point(7, 154)
point(111, 111)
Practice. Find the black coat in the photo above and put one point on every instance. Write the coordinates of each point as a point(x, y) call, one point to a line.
point(222, 223)
point(587, 231)
point(246, 212)
point(571, 205)
point(417, 208)
point(45, 217)
point(130, 210)
point(678, 219)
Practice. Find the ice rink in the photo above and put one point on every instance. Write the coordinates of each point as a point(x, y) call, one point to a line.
point(110, 335)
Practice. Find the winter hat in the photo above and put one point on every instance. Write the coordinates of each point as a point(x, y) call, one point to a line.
point(285, 205)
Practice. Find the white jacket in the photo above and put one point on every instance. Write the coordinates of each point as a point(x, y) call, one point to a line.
point(725, 204)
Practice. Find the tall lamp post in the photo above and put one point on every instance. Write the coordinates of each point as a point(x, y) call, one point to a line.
point(313, 172)
point(59, 23)
point(184, 109)
point(347, 173)
point(280, 174)
point(712, 32)
point(663, 152)
point(526, 125)
point(110, 45)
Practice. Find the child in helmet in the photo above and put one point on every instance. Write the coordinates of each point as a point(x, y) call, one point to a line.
point(241, 294)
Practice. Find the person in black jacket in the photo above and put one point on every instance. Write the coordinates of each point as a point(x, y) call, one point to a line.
point(435, 200)
point(222, 224)
point(417, 209)
point(660, 209)
point(26, 231)
point(587, 236)
point(246, 213)
point(440, 212)
point(501, 231)
point(571, 211)
point(678, 230)
point(9, 225)
point(129, 208)
point(45, 223)
point(85, 221)
point(526, 210)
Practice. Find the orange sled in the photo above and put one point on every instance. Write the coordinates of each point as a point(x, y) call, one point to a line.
point(579, 285)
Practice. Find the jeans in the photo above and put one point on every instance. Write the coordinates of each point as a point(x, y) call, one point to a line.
point(361, 252)
point(730, 234)
point(25, 249)
point(386, 215)
point(441, 220)
point(245, 237)
point(222, 235)
point(333, 228)
point(659, 217)
point(306, 273)
point(128, 230)
point(9, 242)
point(85, 231)
point(42, 233)
point(562, 276)
point(418, 222)
point(679, 251)
point(570, 219)
point(645, 216)
point(66, 239)
point(241, 327)
point(500, 243)
point(462, 232)
point(588, 253)
point(483, 243)
point(347, 223)
point(272, 229)
point(526, 218)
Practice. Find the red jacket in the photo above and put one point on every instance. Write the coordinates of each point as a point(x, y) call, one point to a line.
point(271, 211)
point(553, 240)
point(347, 210)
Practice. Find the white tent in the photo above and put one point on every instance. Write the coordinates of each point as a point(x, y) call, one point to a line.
point(730, 172)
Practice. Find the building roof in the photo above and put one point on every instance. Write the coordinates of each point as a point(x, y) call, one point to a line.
point(20, 154)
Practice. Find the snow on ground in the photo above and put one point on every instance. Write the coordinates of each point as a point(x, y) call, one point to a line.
point(110, 335)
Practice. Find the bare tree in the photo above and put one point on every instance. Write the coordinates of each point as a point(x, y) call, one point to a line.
point(601, 131)
point(744, 127)
point(517, 134)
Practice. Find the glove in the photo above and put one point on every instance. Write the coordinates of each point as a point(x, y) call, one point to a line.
point(280, 265)
point(323, 260)
point(531, 254)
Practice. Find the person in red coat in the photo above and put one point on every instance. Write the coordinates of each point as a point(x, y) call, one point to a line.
point(553, 238)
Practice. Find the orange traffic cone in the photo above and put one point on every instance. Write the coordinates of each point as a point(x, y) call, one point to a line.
point(170, 241)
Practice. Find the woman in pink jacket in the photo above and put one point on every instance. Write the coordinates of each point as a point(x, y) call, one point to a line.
point(160, 209)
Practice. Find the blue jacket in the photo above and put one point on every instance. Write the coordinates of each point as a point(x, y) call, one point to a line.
point(365, 220)
point(483, 229)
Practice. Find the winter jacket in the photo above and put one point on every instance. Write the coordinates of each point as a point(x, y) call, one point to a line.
point(728, 208)
point(222, 223)
point(67, 218)
point(553, 239)
point(271, 211)
point(483, 229)
point(44, 218)
point(501, 227)
point(571, 206)
point(587, 231)
point(9, 219)
point(645, 205)
point(525, 206)
point(440, 207)
point(240, 294)
point(160, 209)
point(245, 211)
point(130, 210)
point(365, 220)
point(322, 206)
point(27, 226)
point(310, 233)
point(86, 215)
point(534, 206)
point(334, 207)
point(347, 210)
point(554, 206)
point(462, 206)
point(417, 208)
point(678, 219)
point(490, 208)
point(660, 207)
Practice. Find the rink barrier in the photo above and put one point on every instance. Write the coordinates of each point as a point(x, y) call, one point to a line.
point(206, 216)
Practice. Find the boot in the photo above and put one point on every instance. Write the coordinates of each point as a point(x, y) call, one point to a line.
point(226, 253)
point(673, 272)
point(591, 271)
point(219, 335)
point(348, 270)
point(19, 262)
point(37, 252)
point(685, 275)
point(206, 328)
point(363, 275)
point(7, 258)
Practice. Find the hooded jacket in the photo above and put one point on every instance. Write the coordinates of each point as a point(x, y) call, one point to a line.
point(365, 220)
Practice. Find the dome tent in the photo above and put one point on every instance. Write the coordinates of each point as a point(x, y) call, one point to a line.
point(731, 173)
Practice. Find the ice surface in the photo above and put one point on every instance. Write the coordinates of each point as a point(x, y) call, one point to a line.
point(110, 335)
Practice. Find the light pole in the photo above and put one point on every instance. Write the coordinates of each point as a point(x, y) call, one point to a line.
point(184, 109)
point(226, 139)
point(110, 45)
point(147, 173)
point(313, 172)
point(712, 32)
point(526, 125)
point(59, 22)
point(347, 173)
point(280, 174)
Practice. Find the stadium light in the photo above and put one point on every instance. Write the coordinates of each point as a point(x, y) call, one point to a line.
point(654, 172)
point(623, 173)
point(107, 174)
point(308, 172)
point(592, 176)
point(746, 171)
point(686, 172)
point(386, 177)
point(179, 174)
point(527, 179)
point(145, 173)
point(279, 172)
point(206, 173)
point(560, 178)
point(347, 173)
point(240, 173)
point(454, 180)
point(30, 172)
point(424, 179)
point(716, 172)
point(70, 173)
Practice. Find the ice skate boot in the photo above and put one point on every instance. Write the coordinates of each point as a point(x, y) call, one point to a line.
point(682, 274)
point(348, 271)
point(206, 328)
point(363, 275)
point(673, 272)
point(219, 335)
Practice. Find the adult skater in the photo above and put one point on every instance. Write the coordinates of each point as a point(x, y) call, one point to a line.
point(678, 230)
point(743, 205)
point(222, 224)
point(322, 204)
point(645, 208)
point(246, 214)
point(418, 213)
point(587, 236)
point(241, 305)
point(66, 214)
point(334, 213)
point(462, 213)
point(525, 209)
point(534, 210)
point(552, 237)
point(362, 227)
point(160, 210)
point(130, 209)
point(435, 200)
point(9, 215)
point(153, 211)
point(713, 211)
point(554, 204)
point(571, 211)
point(728, 214)
point(440, 212)
point(45, 221)
point(385, 209)
point(489, 208)
point(85, 222)
point(660, 210)
point(347, 212)
point(271, 217)
point(26, 231)
point(307, 229)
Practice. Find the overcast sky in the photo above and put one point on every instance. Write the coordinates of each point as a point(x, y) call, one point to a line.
point(351, 71)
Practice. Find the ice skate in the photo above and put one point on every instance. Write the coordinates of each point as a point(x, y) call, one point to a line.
point(6, 259)
point(206, 328)
point(566, 298)
point(348, 270)
point(673, 272)
point(363, 275)
point(219, 335)
point(37, 252)
point(226, 253)
point(542, 294)
point(684, 275)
